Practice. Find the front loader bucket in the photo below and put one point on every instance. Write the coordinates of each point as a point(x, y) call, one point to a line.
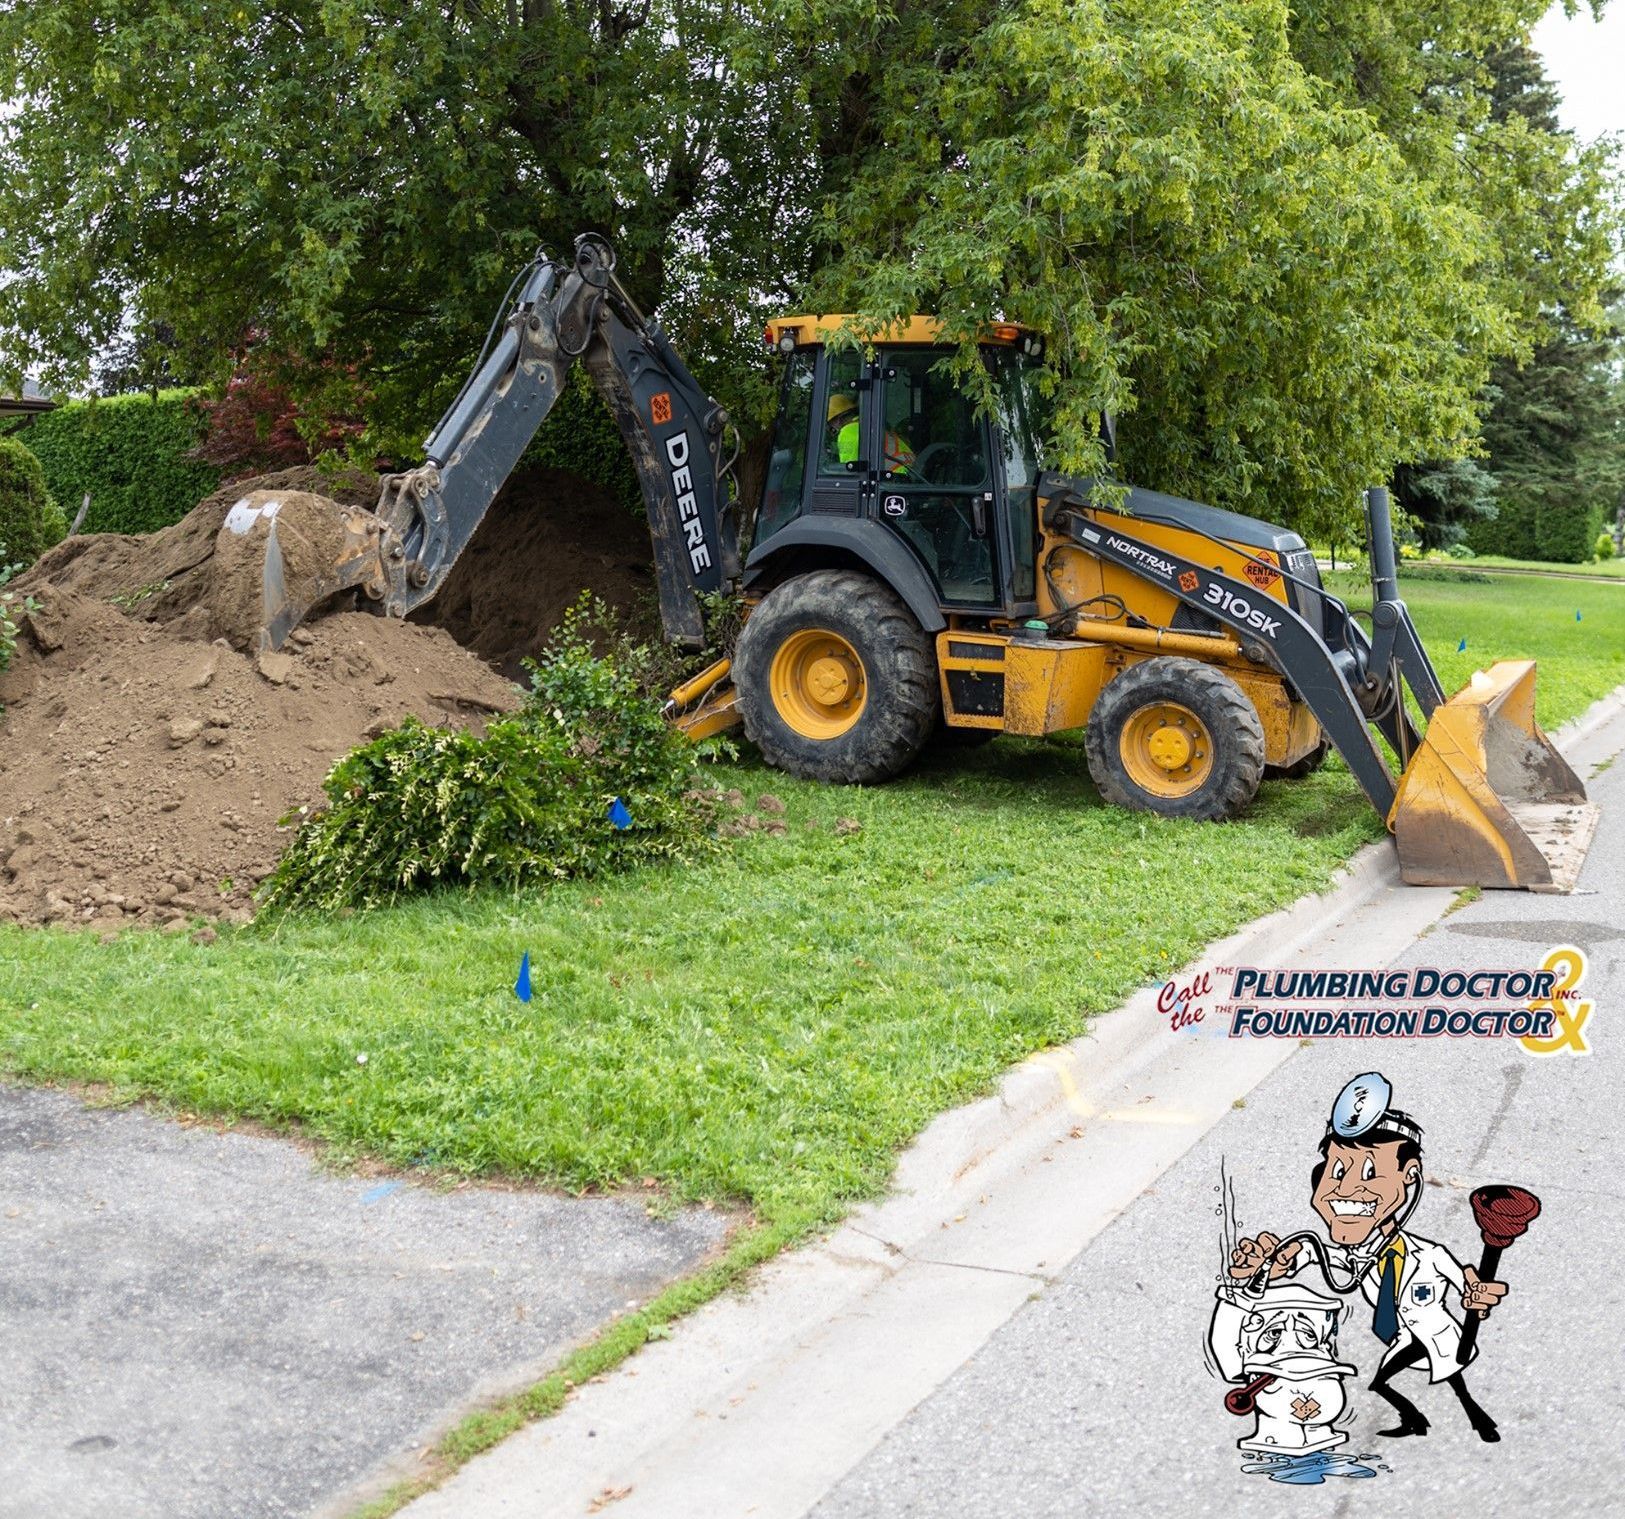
point(1486, 800)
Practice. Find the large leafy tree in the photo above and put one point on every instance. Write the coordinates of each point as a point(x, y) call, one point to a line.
point(1555, 439)
point(1551, 449)
point(1287, 244)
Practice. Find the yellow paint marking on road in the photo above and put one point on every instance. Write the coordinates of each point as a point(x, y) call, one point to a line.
point(1131, 1116)
point(1060, 1061)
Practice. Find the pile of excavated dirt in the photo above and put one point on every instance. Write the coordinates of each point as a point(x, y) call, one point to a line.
point(147, 753)
point(201, 581)
point(143, 774)
point(548, 536)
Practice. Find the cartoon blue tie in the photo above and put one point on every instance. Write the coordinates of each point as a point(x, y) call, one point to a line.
point(1385, 1321)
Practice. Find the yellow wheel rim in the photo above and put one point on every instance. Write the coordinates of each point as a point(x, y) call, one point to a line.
point(1167, 749)
point(818, 682)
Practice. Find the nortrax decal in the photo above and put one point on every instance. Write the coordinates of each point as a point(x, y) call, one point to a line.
point(1242, 610)
point(688, 508)
point(1153, 562)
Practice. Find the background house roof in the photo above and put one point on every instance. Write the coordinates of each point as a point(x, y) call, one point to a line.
point(28, 403)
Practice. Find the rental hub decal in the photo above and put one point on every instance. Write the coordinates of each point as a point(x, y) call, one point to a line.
point(1540, 1007)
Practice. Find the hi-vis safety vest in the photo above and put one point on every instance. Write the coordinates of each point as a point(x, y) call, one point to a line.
point(898, 455)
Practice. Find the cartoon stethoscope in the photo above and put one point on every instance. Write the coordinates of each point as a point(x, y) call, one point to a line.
point(1501, 1212)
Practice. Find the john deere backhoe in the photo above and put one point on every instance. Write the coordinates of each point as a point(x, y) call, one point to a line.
point(914, 565)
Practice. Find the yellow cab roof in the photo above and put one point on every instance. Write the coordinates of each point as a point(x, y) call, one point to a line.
point(914, 329)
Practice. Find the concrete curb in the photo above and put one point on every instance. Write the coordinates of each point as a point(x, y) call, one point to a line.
point(965, 1137)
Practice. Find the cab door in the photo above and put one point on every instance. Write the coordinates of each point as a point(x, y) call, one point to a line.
point(933, 483)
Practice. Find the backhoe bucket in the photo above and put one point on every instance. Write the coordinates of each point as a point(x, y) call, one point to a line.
point(311, 555)
point(1486, 800)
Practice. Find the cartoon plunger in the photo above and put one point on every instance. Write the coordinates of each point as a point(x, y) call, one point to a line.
point(1502, 1215)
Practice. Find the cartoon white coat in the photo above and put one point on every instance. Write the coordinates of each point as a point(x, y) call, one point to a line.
point(1430, 1279)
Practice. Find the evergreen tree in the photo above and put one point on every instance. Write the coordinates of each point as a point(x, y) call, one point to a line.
point(1552, 464)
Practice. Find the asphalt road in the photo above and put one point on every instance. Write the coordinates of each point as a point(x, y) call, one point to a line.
point(202, 1325)
point(1094, 1400)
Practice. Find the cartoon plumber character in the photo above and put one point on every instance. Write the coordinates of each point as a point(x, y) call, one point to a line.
point(1365, 1187)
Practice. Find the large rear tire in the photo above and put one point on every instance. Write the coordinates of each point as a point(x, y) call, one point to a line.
point(1176, 737)
point(836, 680)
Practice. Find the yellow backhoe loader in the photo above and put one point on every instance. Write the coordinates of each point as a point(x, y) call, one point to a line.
point(914, 566)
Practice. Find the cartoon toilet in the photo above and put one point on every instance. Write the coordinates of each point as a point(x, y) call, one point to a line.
point(1280, 1347)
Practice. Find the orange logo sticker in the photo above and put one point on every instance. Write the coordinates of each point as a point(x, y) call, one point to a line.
point(660, 408)
point(1188, 581)
point(1261, 575)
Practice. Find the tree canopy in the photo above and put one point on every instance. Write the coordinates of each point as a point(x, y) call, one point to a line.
point(1286, 244)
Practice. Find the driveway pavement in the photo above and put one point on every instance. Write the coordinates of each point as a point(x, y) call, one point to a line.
point(203, 1325)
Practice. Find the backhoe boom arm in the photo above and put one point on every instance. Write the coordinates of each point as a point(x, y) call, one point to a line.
point(674, 432)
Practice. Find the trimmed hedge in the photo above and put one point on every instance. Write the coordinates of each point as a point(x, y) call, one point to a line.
point(1552, 532)
point(29, 520)
point(1567, 534)
point(133, 455)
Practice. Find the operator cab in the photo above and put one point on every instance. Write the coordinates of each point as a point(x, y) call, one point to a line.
point(895, 440)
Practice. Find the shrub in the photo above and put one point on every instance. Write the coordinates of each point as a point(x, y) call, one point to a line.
point(1567, 532)
point(8, 609)
point(1511, 531)
point(131, 453)
point(276, 412)
point(1605, 546)
point(528, 802)
point(29, 520)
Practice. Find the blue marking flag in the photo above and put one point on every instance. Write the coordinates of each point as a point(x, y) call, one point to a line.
point(521, 987)
point(618, 814)
point(1576, 614)
point(1461, 648)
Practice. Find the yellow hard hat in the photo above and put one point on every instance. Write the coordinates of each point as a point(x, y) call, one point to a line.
point(838, 407)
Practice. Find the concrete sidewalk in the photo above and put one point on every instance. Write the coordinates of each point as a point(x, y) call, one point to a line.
point(203, 1325)
point(762, 1405)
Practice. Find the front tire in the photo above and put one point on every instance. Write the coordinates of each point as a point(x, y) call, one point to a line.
point(1176, 737)
point(836, 680)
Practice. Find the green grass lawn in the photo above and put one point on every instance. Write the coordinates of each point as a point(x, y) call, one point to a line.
point(766, 1027)
point(1613, 568)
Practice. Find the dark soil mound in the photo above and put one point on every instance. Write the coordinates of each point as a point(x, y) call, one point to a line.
point(548, 537)
point(164, 576)
point(143, 774)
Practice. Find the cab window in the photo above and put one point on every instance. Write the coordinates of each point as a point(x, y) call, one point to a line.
point(932, 433)
point(787, 465)
point(841, 433)
point(1023, 419)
